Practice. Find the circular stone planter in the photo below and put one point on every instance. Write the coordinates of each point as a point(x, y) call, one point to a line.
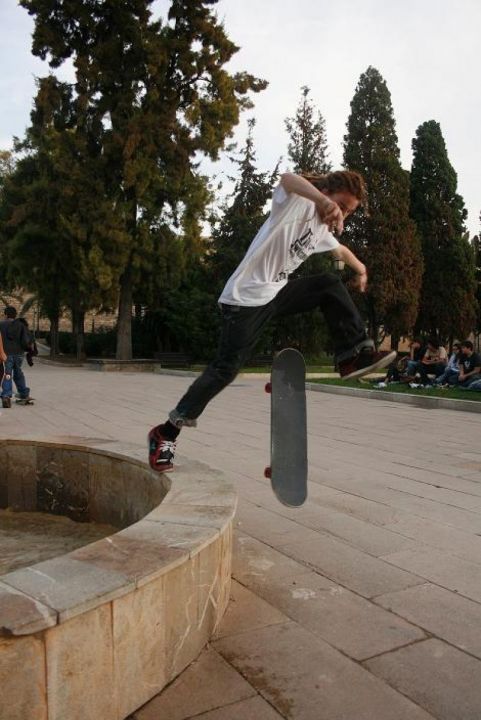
point(97, 632)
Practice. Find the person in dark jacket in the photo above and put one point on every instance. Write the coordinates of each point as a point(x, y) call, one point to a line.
point(16, 341)
point(32, 350)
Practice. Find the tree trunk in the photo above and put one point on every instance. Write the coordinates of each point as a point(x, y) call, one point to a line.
point(124, 323)
point(395, 341)
point(78, 321)
point(54, 337)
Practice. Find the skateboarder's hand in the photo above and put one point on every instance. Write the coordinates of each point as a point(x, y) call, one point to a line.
point(359, 282)
point(331, 214)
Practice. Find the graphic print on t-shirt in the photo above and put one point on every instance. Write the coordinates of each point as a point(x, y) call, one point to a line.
point(299, 250)
point(292, 232)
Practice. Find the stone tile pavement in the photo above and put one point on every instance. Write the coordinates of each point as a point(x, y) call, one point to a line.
point(364, 604)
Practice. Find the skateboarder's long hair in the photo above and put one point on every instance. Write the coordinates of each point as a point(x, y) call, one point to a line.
point(341, 181)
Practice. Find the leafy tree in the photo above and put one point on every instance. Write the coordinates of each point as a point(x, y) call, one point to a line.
point(385, 239)
point(448, 304)
point(151, 97)
point(53, 222)
point(7, 165)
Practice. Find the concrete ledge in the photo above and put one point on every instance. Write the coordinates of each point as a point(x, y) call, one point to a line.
point(97, 632)
point(45, 360)
point(422, 401)
point(110, 364)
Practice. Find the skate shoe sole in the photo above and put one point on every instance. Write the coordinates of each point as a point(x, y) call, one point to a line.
point(382, 363)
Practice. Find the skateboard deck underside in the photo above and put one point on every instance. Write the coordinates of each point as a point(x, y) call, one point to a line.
point(288, 469)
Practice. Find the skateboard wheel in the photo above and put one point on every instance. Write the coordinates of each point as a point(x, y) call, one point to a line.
point(268, 473)
point(268, 387)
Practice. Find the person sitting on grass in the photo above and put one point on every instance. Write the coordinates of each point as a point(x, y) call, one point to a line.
point(451, 374)
point(434, 361)
point(307, 213)
point(416, 353)
point(469, 365)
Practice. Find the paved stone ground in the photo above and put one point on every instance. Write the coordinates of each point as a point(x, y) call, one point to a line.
point(365, 604)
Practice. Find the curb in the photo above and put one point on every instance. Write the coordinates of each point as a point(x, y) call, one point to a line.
point(422, 401)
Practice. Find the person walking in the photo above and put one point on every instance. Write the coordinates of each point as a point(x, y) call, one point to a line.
point(16, 341)
point(307, 216)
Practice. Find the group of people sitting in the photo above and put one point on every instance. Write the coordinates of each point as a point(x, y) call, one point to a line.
point(428, 365)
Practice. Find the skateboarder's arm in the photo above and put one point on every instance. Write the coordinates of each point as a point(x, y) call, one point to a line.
point(329, 211)
point(343, 253)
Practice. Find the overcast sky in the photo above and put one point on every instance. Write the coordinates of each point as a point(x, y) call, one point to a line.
point(426, 50)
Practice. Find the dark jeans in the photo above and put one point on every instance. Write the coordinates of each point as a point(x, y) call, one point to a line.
point(13, 369)
point(467, 383)
point(436, 369)
point(242, 325)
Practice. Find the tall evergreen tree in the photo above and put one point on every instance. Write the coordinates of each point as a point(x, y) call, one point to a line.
point(448, 304)
point(151, 96)
point(477, 263)
point(7, 166)
point(386, 239)
point(307, 148)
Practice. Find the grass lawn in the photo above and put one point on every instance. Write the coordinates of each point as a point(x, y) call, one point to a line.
point(452, 393)
point(266, 369)
point(309, 369)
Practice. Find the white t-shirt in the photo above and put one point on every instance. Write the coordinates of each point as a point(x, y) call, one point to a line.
point(291, 233)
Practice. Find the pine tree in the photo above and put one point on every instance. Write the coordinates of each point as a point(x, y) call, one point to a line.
point(307, 149)
point(448, 304)
point(386, 239)
point(477, 263)
point(151, 97)
point(7, 166)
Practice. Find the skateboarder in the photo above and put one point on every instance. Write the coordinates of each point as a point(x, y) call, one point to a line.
point(306, 211)
point(16, 341)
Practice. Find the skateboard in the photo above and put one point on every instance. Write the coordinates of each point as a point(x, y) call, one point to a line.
point(25, 401)
point(287, 388)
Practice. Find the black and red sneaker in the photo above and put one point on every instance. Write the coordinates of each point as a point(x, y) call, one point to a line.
point(365, 362)
point(161, 450)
